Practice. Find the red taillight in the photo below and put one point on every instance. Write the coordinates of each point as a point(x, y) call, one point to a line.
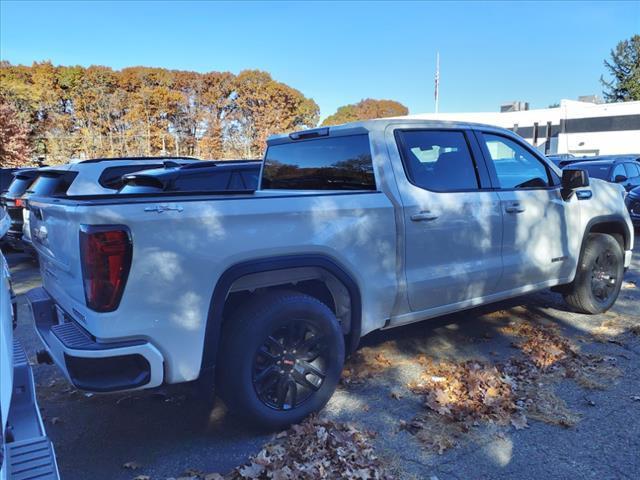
point(106, 259)
point(19, 202)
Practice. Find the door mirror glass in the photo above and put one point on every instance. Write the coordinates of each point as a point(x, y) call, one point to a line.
point(620, 179)
point(574, 178)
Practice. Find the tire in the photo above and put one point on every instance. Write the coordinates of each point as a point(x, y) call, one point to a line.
point(599, 276)
point(288, 327)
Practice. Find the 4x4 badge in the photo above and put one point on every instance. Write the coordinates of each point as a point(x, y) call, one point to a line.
point(163, 208)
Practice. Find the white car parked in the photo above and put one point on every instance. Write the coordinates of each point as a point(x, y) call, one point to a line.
point(354, 228)
point(25, 451)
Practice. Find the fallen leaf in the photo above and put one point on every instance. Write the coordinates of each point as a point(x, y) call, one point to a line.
point(519, 421)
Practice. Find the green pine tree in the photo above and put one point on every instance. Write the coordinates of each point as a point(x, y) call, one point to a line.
point(624, 68)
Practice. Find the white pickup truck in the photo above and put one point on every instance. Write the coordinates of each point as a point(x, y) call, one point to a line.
point(353, 228)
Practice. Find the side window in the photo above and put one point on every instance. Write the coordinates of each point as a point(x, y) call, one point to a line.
point(618, 171)
point(438, 160)
point(632, 170)
point(515, 166)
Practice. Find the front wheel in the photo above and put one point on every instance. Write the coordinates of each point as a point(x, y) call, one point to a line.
point(280, 359)
point(599, 275)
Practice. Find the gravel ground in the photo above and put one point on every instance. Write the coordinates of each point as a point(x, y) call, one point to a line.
point(168, 431)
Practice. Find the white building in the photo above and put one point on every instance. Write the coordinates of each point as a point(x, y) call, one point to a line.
point(580, 128)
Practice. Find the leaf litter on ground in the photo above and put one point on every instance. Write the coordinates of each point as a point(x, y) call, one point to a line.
point(313, 449)
point(459, 396)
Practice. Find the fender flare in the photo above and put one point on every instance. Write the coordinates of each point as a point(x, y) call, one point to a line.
point(233, 273)
point(616, 219)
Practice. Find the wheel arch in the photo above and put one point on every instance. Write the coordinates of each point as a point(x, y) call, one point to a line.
point(249, 269)
point(614, 225)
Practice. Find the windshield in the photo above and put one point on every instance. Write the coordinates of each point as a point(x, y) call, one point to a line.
point(52, 183)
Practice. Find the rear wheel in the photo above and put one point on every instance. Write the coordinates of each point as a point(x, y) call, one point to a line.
point(281, 358)
point(599, 276)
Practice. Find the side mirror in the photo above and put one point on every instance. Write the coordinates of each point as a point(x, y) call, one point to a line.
point(620, 179)
point(572, 179)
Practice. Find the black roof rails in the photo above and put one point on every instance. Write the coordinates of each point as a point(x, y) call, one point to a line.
point(217, 163)
point(115, 159)
point(202, 164)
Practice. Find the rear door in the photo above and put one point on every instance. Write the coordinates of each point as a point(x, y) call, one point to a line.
point(453, 228)
point(535, 247)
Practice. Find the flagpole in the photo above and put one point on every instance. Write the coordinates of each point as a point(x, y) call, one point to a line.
point(437, 92)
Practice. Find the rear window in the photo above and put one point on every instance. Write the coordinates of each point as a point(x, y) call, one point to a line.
point(596, 171)
point(332, 163)
point(19, 185)
point(52, 184)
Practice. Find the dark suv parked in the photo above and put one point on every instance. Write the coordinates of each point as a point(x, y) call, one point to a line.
point(616, 169)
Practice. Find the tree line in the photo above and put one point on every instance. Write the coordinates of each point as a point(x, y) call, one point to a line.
point(55, 113)
point(61, 112)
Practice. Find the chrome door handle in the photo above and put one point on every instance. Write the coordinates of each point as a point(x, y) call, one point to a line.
point(514, 208)
point(424, 216)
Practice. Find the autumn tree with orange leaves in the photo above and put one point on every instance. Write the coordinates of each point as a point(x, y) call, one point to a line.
point(366, 110)
point(14, 139)
point(76, 112)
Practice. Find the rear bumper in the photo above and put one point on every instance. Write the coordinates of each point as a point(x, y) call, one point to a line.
point(28, 451)
point(87, 362)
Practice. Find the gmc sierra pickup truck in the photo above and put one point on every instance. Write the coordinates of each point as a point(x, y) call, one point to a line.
point(365, 226)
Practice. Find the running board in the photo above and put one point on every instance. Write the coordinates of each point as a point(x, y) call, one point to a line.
point(31, 459)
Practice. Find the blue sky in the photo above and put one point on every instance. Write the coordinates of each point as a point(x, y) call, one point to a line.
point(338, 53)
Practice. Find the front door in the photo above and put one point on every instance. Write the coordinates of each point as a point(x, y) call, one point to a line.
point(453, 229)
point(536, 248)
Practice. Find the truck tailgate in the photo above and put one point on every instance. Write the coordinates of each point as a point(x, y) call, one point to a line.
point(55, 235)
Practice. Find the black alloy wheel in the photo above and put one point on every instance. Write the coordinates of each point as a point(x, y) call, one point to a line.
point(290, 365)
point(604, 276)
point(280, 359)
